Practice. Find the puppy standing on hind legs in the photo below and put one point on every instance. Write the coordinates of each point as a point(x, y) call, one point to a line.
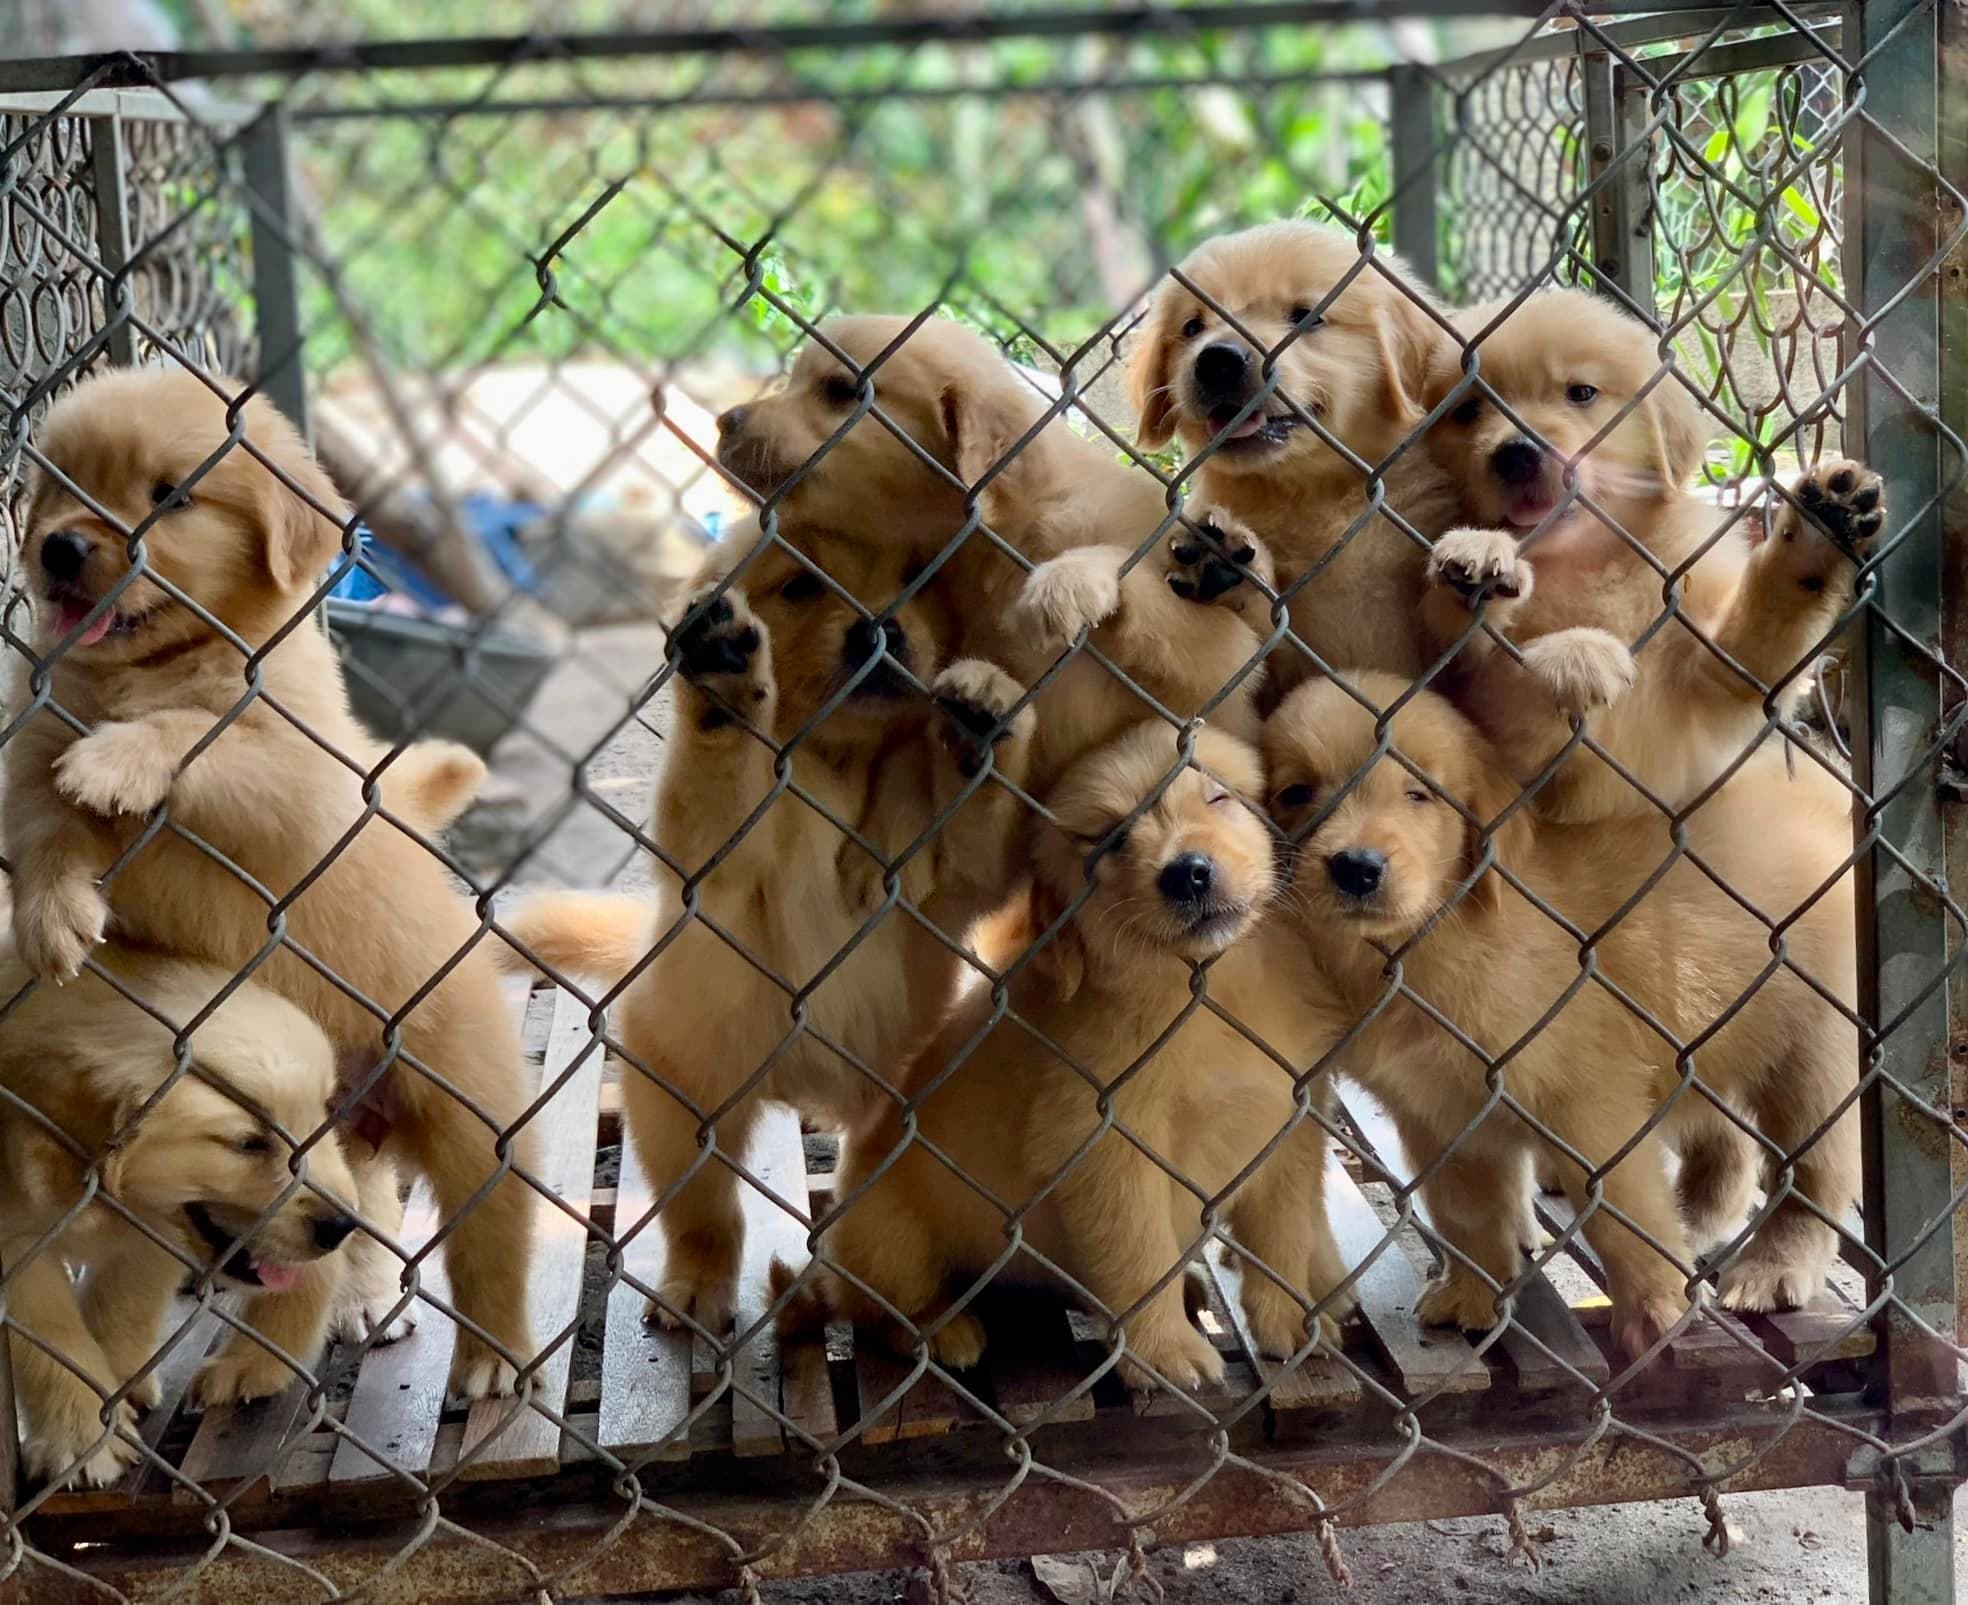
point(155, 684)
point(779, 654)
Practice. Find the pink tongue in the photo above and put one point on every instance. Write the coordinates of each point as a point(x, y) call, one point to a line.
point(97, 631)
point(1249, 426)
point(277, 1278)
point(1526, 513)
point(73, 613)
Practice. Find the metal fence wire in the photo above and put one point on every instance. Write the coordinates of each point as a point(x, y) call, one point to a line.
point(1137, 881)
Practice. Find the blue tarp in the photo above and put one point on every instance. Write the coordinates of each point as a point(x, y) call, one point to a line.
point(495, 523)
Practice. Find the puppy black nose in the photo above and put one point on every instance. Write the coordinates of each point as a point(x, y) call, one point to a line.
point(865, 638)
point(1517, 462)
point(331, 1231)
point(1187, 879)
point(63, 554)
point(1221, 369)
point(732, 420)
point(1358, 871)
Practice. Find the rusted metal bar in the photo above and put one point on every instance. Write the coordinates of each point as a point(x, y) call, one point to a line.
point(1891, 240)
point(557, 1540)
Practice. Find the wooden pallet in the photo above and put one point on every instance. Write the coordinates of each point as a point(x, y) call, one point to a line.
point(686, 1414)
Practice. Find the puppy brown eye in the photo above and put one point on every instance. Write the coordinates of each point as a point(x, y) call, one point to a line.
point(1192, 328)
point(1469, 411)
point(254, 1147)
point(802, 587)
point(163, 491)
point(839, 390)
point(1217, 799)
point(1418, 795)
point(1302, 318)
point(1296, 796)
point(1581, 395)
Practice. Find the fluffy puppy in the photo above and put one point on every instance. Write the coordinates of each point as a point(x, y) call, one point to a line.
point(1404, 900)
point(761, 895)
point(1580, 588)
point(241, 520)
point(1104, 1022)
point(1074, 516)
point(1252, 335)
point(231, 1169)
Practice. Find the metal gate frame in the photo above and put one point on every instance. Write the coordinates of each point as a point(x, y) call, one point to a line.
point(1906, 360)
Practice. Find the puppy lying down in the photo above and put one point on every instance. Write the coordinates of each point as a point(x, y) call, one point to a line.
point(199, 1174)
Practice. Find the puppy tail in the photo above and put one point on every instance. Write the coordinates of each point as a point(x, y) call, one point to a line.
point(433, 782)
point(596, 934)
point(815, 1300)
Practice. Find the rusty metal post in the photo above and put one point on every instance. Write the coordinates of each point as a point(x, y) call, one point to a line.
point(1616, 152)
point(110, 177)
point(1416, 172)
point(1891, 236)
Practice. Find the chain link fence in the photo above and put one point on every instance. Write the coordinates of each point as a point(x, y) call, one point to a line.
point(905, 956)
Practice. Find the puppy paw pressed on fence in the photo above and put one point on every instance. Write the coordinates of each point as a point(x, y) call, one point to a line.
point(1821, 536)
point(1079, 590)
point(721, 653)
point(978, 699)
point(119, 768)
point(60, 1440)
point(1482, 565)
point(1218, 558)
point(57, 926)
point(1583, 669)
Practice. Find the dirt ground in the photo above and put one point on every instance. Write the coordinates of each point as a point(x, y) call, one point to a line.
point(1787, 1548)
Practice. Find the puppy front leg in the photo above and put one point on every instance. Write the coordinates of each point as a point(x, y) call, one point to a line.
point(1279, 1215)
point(62, 1414)
point(1797, 583)
point(975, 849)
point(1477, 1206)
point(1471, 570)
point(128, 766)
point(718, 770)
point(295, 1321)
point(1118, 1215)
point(125, 1297)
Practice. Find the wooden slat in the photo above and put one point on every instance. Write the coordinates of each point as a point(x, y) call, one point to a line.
point(645, 1368)
point(1423, 1359)
point(242, 1443)
point(504, 1438)
point(1540, 1312)
point(1033, 1360)
point(1317, 1381)
point(928, 1410)
point(398, 1399)
point(806, 1386)
point(778, 1160)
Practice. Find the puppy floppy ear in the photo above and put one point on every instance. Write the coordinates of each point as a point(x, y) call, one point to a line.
point(1151, 378)
point(1407, 339)
point(1062, 961)
point(1681, 431)
point(1492, 791)
point(299, 542)
point(978, 430)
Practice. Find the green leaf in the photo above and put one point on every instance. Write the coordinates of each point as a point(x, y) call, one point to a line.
point(1753, 116)
point(1800, 207)
point(1718, 144)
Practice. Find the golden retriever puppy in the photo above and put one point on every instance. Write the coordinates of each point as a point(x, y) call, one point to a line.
point(1414, 888)
point(379, 949)
point(981, 445)
point(1580, 588)
point(228, 1166)
point(1254, 335)
point(767, 887)
point(1167, 873)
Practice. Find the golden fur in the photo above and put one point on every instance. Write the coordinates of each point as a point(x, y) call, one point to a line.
point(1579, 596)
point(152, 686)
point(214, 1160)
point(1492, 963)
point(1013, 1115)
point(1065, 503)
point(790, 886)
point(1360, 372)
